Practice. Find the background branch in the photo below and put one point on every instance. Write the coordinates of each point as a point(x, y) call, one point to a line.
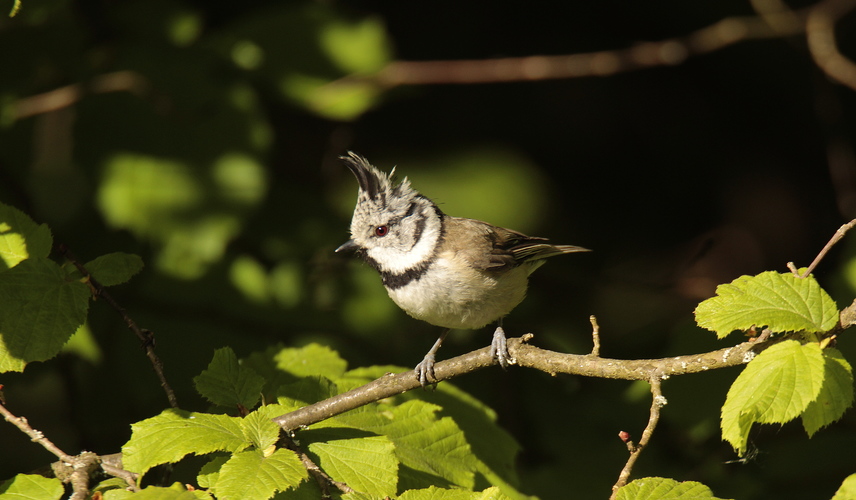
point(667, 52)
point(820, 33)
point(63, 97)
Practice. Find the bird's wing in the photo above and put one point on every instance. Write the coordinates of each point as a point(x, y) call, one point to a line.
point(489, 247)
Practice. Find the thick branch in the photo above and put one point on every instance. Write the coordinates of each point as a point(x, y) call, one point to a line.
point(528, 356)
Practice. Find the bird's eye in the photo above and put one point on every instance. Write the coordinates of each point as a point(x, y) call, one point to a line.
point(381, 230)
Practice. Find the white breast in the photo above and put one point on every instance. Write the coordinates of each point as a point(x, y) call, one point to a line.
point(453, 295)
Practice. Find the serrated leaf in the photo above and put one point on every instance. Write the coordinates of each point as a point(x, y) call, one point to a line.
point(847, 491)
point(435, 493)
point(21, 238)
point(422, 441)
point(776, 387)
point(661, 488)
point(258, 427)
point(113, 483)
point(492, 444)
point(31, 487)
point(39, 311)
point(114, 268)
point(358, 495)
point(365, 463)
point(170, 436)
point(836, 393)
point(780, 301)
point(306, 391)
point(251, 475)
point(227, 383)
point(174, 492)
point(210, 472)
point(311, 360)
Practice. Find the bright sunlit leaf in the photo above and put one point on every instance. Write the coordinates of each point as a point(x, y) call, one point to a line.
point(775, 387)
point(781, 302)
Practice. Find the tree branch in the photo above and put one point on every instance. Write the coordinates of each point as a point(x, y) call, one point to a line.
point(839, 233)
point(35, 436)
point(63, 97)
point(70, 469)
point(146, 336)
point(667, 52)
point(657, 402)
point(820, 34)
point(531, 357)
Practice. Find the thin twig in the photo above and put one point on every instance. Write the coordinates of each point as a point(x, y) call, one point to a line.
point(832, 241)
point(657, 402)
point(62, 97)
point(35, 436)
point(71, 469)
point(112, 465)
point(324, 481)
point(595, 336)
point(146, 336)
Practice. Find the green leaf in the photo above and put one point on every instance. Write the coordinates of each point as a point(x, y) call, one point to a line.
point(365, 463)
point(306, 391)
point(337, 100)
point(173, 434)
point(16, 7)
point(256, 476)
point(776, 387)
point(661, 488)
point(847, 491)
point(210, 472)
point(836, 393)
point(311, 360)
point(356, 47)
point(114, 268)
point(435, 493)
point(422, 441)
point(780, 301)
point(31, 487)
point(174, 492)
point(258, 427)
point(227, 383)
point(39, 311)
point(21, 238)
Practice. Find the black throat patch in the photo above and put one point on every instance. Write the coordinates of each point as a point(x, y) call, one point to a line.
point(394, 281)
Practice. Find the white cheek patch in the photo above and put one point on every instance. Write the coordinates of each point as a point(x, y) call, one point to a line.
point(396, 260)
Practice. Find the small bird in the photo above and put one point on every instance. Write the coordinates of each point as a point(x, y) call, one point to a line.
point(448, 271)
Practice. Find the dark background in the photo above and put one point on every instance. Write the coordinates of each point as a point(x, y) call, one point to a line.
point(679, 178)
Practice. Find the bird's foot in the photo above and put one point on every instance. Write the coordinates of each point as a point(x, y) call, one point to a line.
point(425, 370)
point(499, 349)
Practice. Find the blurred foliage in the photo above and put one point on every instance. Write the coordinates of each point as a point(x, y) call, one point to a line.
point(203, 135)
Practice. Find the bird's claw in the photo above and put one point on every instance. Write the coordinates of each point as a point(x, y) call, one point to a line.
point(499, 349)
point(425, 371)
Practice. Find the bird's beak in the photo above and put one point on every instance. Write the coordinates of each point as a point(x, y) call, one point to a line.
point(348, 246)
